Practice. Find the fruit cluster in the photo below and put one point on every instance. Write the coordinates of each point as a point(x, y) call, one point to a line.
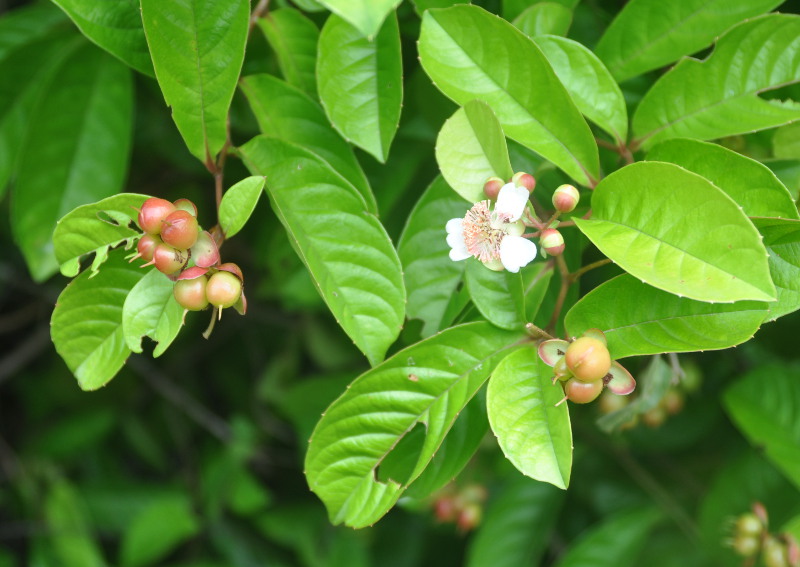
point(463, 506)
point(584, 367)
point(174, 242)
point(750, 537)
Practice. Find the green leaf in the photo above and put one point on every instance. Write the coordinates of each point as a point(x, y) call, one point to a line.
point(533, 432)
point(94, 228)
point(500, 70)
point(720, 96)
point(648, 34)
point(661, 236)
point(591, 86)
point(513, 8)
point(152, 534)
point(238, 203)
point(86, 326)
point(114, 26)
point(197, 48)
point(293, 38)
point(765, 404)
point(614, 543)
point(286, 113)
point(346, 249)
point(470, 149)
point(651, 321)
point(69, 529)
point(544, 18)
point(151, 310)
point(782, 240)
point(76, 151)
point(431, 277)
point(516, 529)
point(26, 25)
point(428, 383)
point(750, 183)
point(360, 83)
point(786, 142)
point(365, 15)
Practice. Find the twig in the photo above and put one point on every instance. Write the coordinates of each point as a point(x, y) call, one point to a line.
point(258, 11)
point(574, 276)
point(563, 270)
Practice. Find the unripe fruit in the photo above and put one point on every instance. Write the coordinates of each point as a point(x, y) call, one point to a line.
point(169, 260)
point(610, 402)
point(492, 187)
point(445, 509)
point(596, 334)
point(147, 245)
point(152, 214)
point(186, 205)
point(180, 230)
point(749, 525)
point(672, 401)
point(522, 179)
point(191, 294)
point(566, 198)
point(774, 553)
point(223, 289)
point(654, 417)
point(746, 546)
point(560, 370)
point(588, 359)
point(552, 242)
point(204, 251)
point(582, 392)
point(470, 517)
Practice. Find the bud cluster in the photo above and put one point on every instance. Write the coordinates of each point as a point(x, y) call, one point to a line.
point(750, 536)
point(462, 506)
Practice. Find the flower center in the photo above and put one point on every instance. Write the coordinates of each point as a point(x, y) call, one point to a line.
point(483, 232)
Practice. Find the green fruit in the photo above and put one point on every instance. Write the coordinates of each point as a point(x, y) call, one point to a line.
point(588, 359)
point(191, 294)
point(223, 289)
point(582, 392)
point(169, 260)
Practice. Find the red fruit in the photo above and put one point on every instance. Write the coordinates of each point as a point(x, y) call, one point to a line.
point(492, 187)
point(552, 242)
point(191, 293)
point(204, 251)
point(180, 230)
point(223, 289)
point(152, 214)
point(565, 198)
point(147, 245)
point(522, 179)
point(588, 359)
point(186, 205)
point(169, 260)
point(582, 392)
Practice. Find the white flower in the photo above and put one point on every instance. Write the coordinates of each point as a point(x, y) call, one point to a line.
point(492, 235)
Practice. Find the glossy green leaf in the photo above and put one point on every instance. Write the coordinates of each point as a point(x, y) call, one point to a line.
point(534, 433)
point(430, 275)
point(197, 48)
point(513, 8)
point(544, 18)
point(422, 5)
point(114, 26)
point(69, 528)
point(786, 142)
point(614, 543)
point(160, 527)
point(94, 228)
point(750, 183)
point(517, 527)
point(284, 112)
point(293, 38)
point(81, 130)
point(428, 383)
point(651, 321)
point(360, 83)
point(655, 236)
point(470, 149)
point(346, 249)
point(86, 326)
point(765, 404)
point(151, 310)
point(238, 203)
point(591, 86)
point(719, 96)
point(648, 34)
point(365, 15)
point(27, 24)
point(782, 240)
point(500, 70)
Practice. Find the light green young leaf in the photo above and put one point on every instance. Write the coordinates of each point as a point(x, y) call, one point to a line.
point(648, 34)
point(764, 404)
point(516, 529)
point(366, 15)
point(750, 183)
point(431, 277)
point(360, 83)
point(591, 86)
point(651, 321)
point(786, 142)
point(427, 383)
point(151, 310)
point(293, 38)
point(782, 240)
point(720, 96)
point(544, 18)
point(197, 48)
point(81, 130)
point(238, 203)
point(500, 70)
point(86, 326)
point(94, 228)
point(533, 432)
point(114, 26)
point(470, 149)
point(68, 525)
point(662, 237)
point(346, 249)
point(286, 113)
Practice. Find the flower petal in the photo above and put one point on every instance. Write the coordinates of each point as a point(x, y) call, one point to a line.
point(511, 202)
point(458, 255)
point(454, 226)
point(455, 239)
point(516, 252)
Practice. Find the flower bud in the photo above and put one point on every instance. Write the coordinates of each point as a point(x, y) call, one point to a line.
point(566, 198)
point(552, 242)
point(522, 179)
point(492, 187)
